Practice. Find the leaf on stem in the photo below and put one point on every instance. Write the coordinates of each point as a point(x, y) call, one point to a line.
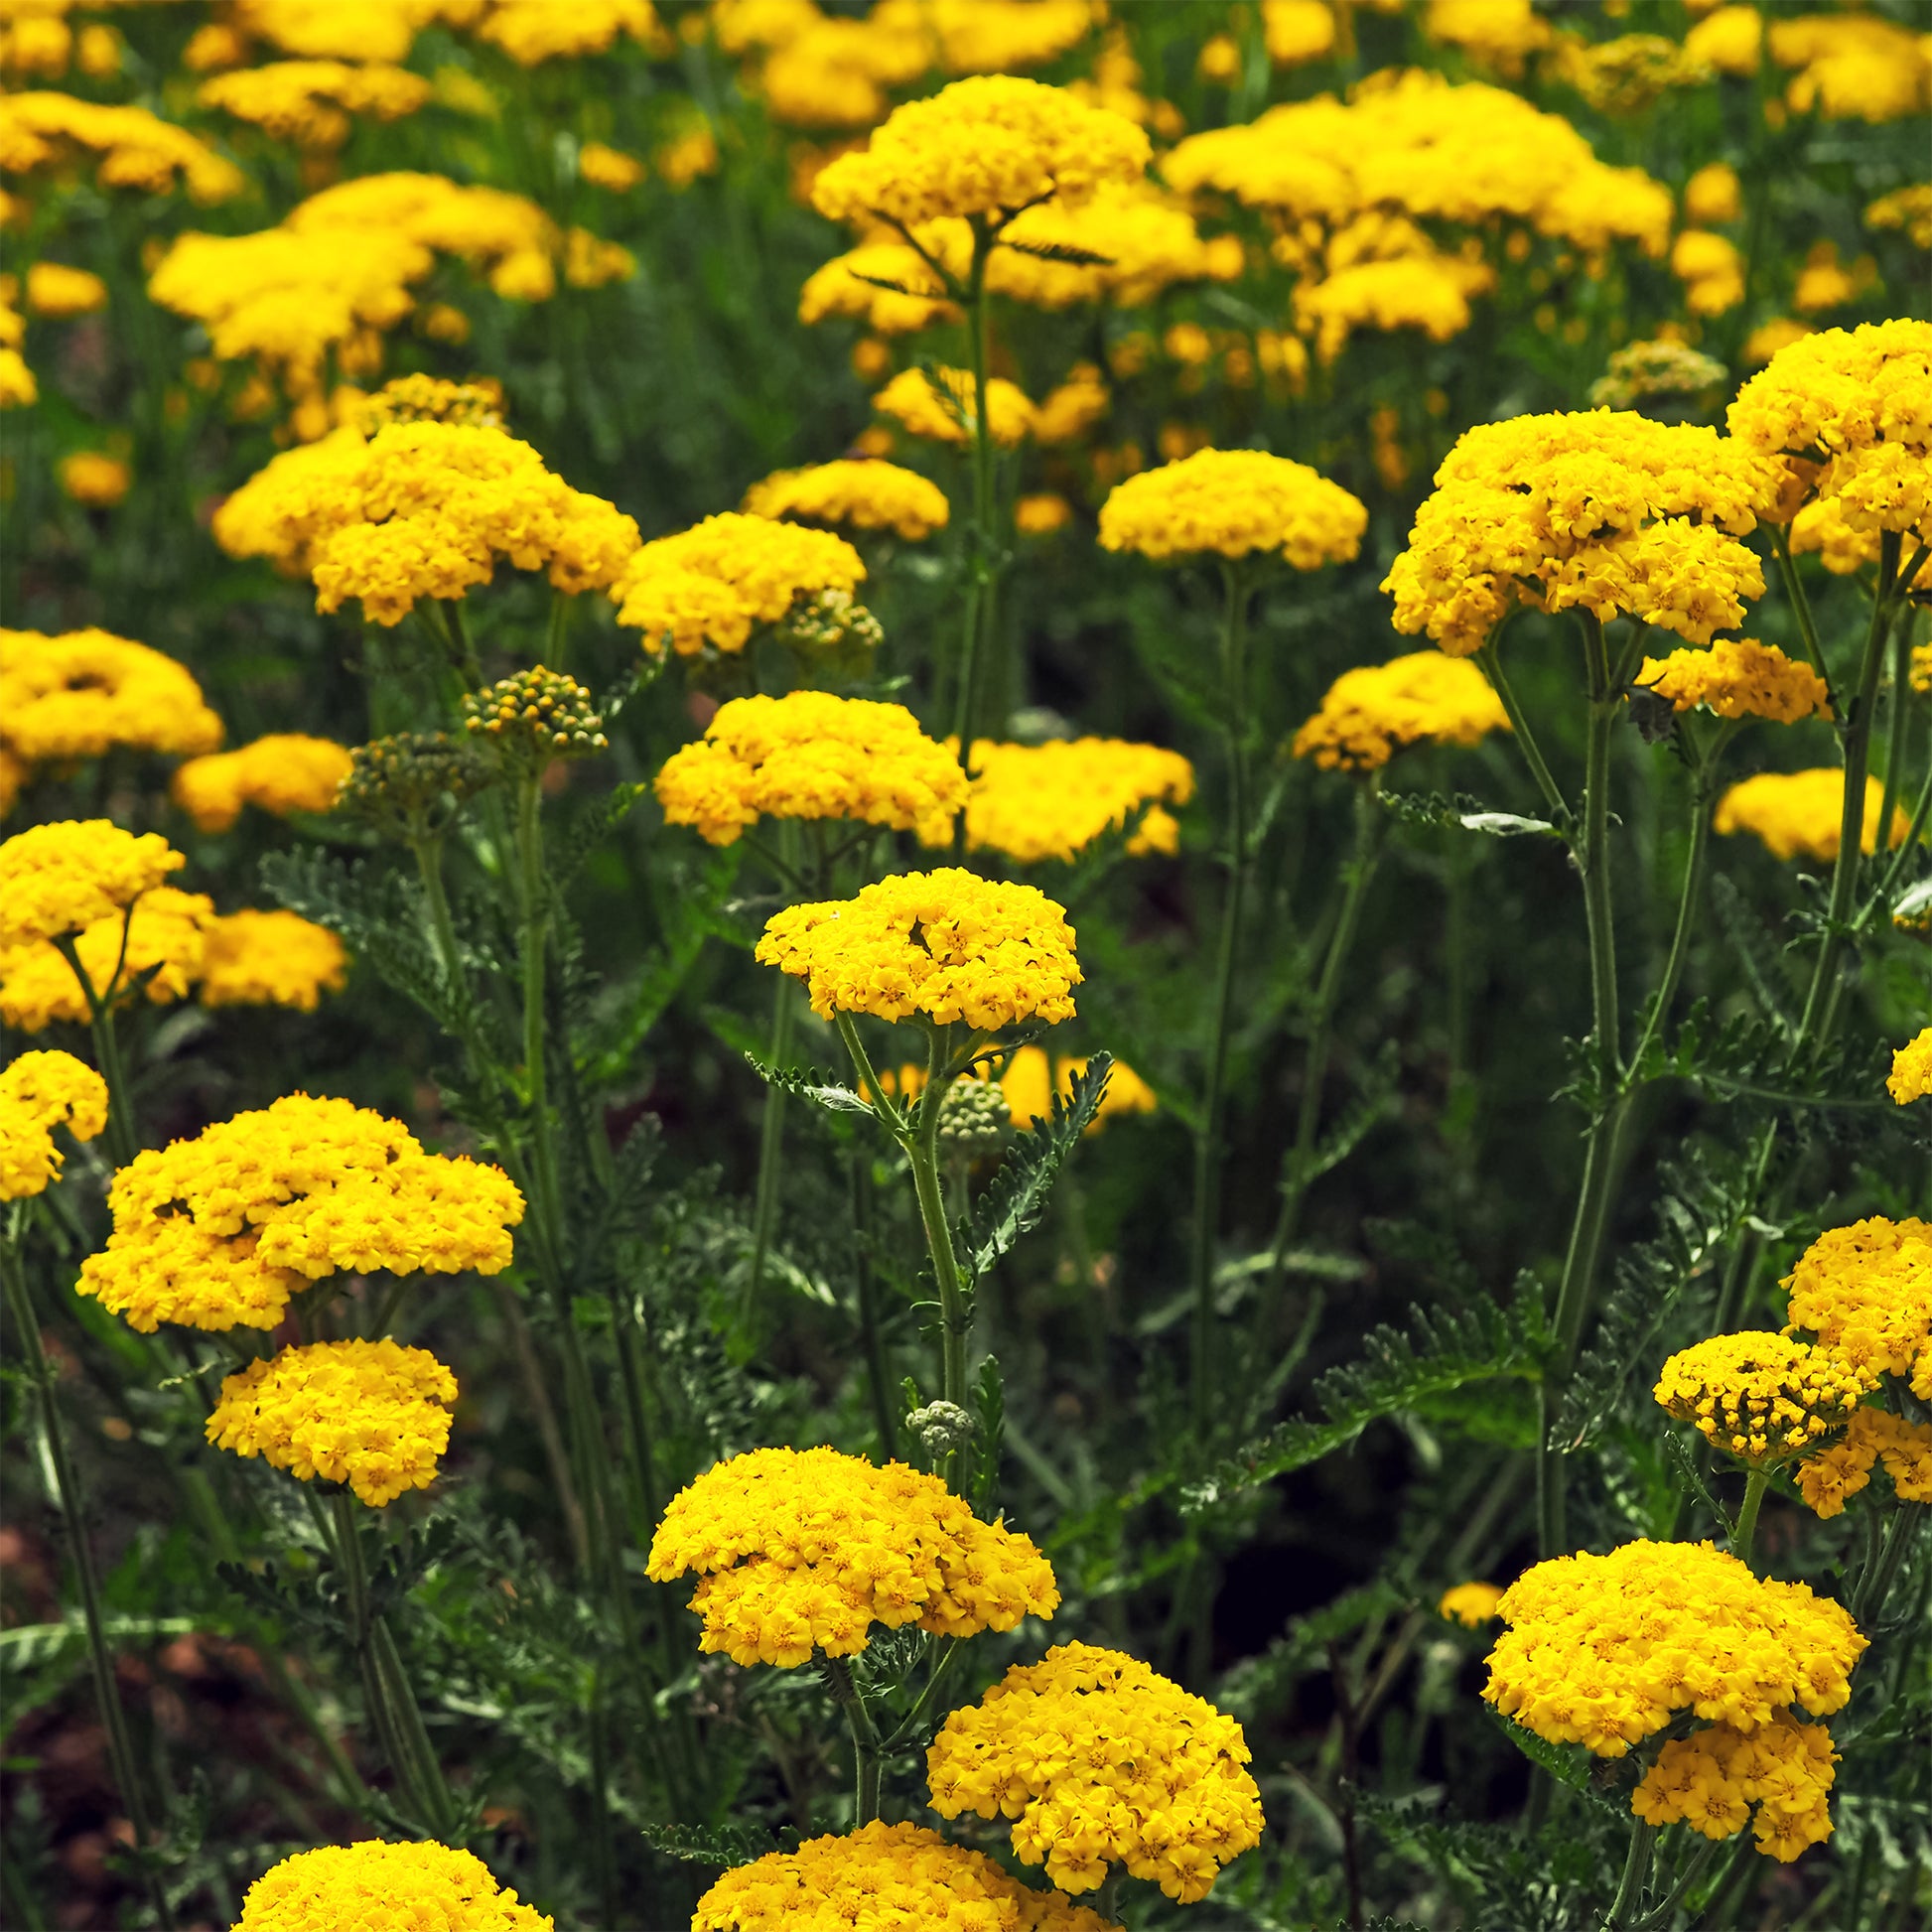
point(1018, 1195)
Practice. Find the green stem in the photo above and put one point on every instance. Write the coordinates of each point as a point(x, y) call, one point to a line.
point(1595, 857)
point(983, 581)
point(865, 1749)
point(868, 1320)
point(1491, 660)
point(123, 1143)
point(68, 1502)
point(1637, 1868)
point(1857, 742)
point(1357, 873)
point(922, 1151)
point(417, 1765)
point(1207, 1144)
point(530, 896)
point(1744, 1535)
point(436, 902)
point(1877, 1576)
point(1897, 726)
point(771, 1134)
point(1794, 589)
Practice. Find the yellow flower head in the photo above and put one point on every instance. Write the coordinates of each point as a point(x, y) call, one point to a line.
point(60, 877)
point(849, 284)
point(1370, 713)
point(1601, 1651)
point(888, 1879)
point(271, 959)
point(136, 149)
point(948, 411)
point(1865, 1291)
point(75, 695)
point(607, 167)
point(1820, 528)
point(160, 945)
point(418, 1885)
point(1602, 510)
point(1711, 1779)
point(311, 102)
point(1729, 38)
point(220, 1230)
point(717, 582)
point(38, 1093)
point(1234, 503)
point(803, 1550)
point(369, 1414)
point(1863, 399)
point(1911, 1070)
point(54, 289)
point(95, 479)
point(861, 495)
point(1762, 1398)
point(422, 508)
point(1029, 1090)
point(1099, 1760)
point(1852, 68)
point(947, 944)
point(531, 31)
point(1713, 193)
point(1838, 1472)
point(1036, 803)
point(809, 754)
point(988, 146)
point(1147, 244)
point(284, 772)
point(1739, 678)
point(1908, 209)
point(1470, 1604)
point(1798, 814)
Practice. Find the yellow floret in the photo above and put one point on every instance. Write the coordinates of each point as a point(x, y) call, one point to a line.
point(1234, 503)
point(287, 771)
point(417, 1884)
point(38, 1093)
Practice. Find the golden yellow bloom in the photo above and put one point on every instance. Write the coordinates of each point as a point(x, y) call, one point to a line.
point(1730, 38)
point(1911, 1069)
point(38, 1093)
point(803, 1550)
point(607, 167)
point(810, 755)
point(859, 494)
point(849, 284)
point(77, 694)
point(1603, 510)
point(422, 508)
point(533, 31)
point(1601, 1651)
point(1739, 678)
point(309, 102)
point(1713, 194)
point(834, 73)
point(1762, 1398)
point(886, 1878)
point(988, 146)
point(1852, 67)
point(948, 411)
point(1296, 31)
point(93, 479)
point(1798, 814)
point(994, 35)
point(1711, 269)
point(1865, 1291)
point(1919, 673)
point(1052, 802)
point(365, 1413)
point(412, 1883)
point(1148, 242)
point(220, 1230)
point(1414, 143)
point(1829, 1479)
point(1421, 289)
point(287, 771)
point(54, 289)
point(947, 944)
point(350, 30)
point(718, 581)
point(18, 390)
point(60, 877)
point(1237, 503)
point(1028, 1083)
point(135, 149)
point(1497, 33)
point(277, 960)
point(1820, 527)
point(1040, 514)
point(1909, 208)
point(159, 943)
point(1099, 1760)
point(1470, 1604)
point(1711, 1779)
point(1370, 713)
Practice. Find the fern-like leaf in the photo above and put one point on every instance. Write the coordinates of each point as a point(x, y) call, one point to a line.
point(808, 1083)
point(1059, 251)
point(723, 1845)
point(1400, 1368)
point(1018, 1191)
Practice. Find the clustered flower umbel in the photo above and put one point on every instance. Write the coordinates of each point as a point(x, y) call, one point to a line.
point(860, 494)
point(286, 772)
point(80, 693)
point(533, 717)
point(38, 1093)
point(403, 787)
point(1099, 1760)
point(798, 1550)
point(1800, 815)
point(1762, 1398)
point(1738, 678)
point(890, 1876)
point(1604, 1651)
point(1234, 503)
point(1373, 711)
point(1036, 802)
point(416, 1884)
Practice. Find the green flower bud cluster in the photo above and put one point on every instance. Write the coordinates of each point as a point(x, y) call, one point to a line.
point(941, 1428)
point(830, 622)
point(408, 786)
point(1641, 369)
point(975, 1120)
point(430, 399)
point(535, 717)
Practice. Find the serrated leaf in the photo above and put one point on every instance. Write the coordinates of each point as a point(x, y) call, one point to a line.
point(724, 1845)
point(1018, 1195)
point(1438, 1352)
point(1506, 825)
point(812, 1084)
point(1058, 251)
